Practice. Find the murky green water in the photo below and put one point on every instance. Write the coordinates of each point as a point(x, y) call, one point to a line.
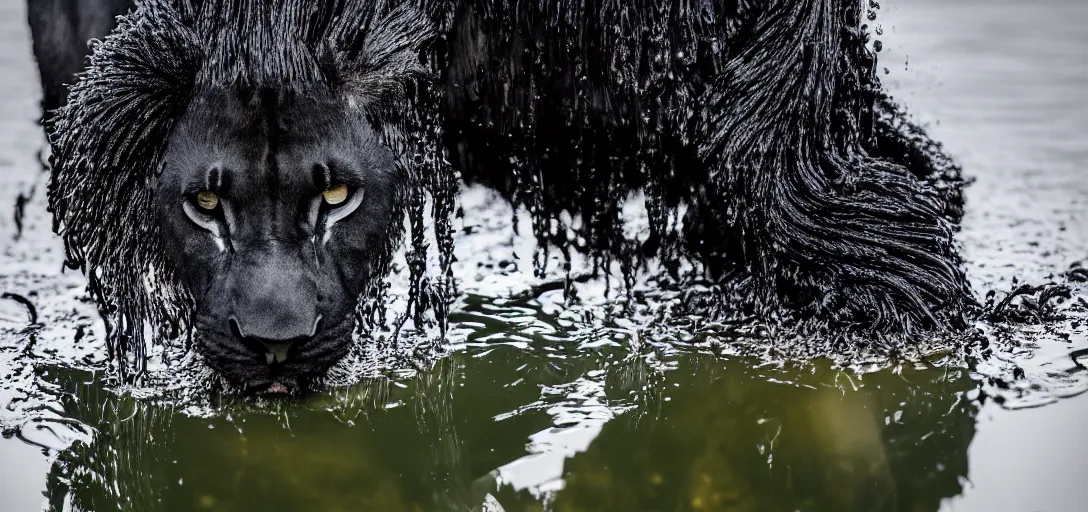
point(544, 407)
point(538, 430)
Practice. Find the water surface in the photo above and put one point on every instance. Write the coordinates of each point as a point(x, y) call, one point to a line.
point(545, 407)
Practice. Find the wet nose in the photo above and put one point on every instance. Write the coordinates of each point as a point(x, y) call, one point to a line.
point(270, 299)
point(274, 347)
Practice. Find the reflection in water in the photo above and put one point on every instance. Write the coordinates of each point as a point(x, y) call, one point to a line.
point(744, 439)
point(538, 414)
point(707, 434)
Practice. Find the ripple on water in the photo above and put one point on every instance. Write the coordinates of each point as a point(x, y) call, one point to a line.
point(540, 403)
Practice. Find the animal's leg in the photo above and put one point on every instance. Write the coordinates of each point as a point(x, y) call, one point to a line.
point(60, 30)
point(794, 195)
point(56, 48)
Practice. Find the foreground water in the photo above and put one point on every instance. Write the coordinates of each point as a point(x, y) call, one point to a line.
point(543, 407)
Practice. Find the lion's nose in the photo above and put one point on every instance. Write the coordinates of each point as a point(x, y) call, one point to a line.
point(270, 297)
point(274, 349)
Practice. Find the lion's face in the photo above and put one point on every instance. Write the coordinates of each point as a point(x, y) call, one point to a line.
point(274, 213)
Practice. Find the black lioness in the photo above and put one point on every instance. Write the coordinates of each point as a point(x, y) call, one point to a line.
point(242, 167)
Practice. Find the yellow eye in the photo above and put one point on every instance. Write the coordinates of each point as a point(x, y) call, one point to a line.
point(336, 194)
point(207, 200)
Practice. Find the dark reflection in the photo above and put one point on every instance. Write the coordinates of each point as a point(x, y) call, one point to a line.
point(695, 433)
point(738, 438)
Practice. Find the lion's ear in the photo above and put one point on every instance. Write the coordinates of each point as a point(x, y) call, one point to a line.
point(376, 60)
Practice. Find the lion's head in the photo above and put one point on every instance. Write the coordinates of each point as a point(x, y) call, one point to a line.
point(241, 168)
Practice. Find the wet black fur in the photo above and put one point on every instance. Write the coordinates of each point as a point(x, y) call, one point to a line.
point(806, 190)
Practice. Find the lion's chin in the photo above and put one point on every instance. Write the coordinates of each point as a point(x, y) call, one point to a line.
point(277, 388)
point(260, 380)
point(243, 372)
